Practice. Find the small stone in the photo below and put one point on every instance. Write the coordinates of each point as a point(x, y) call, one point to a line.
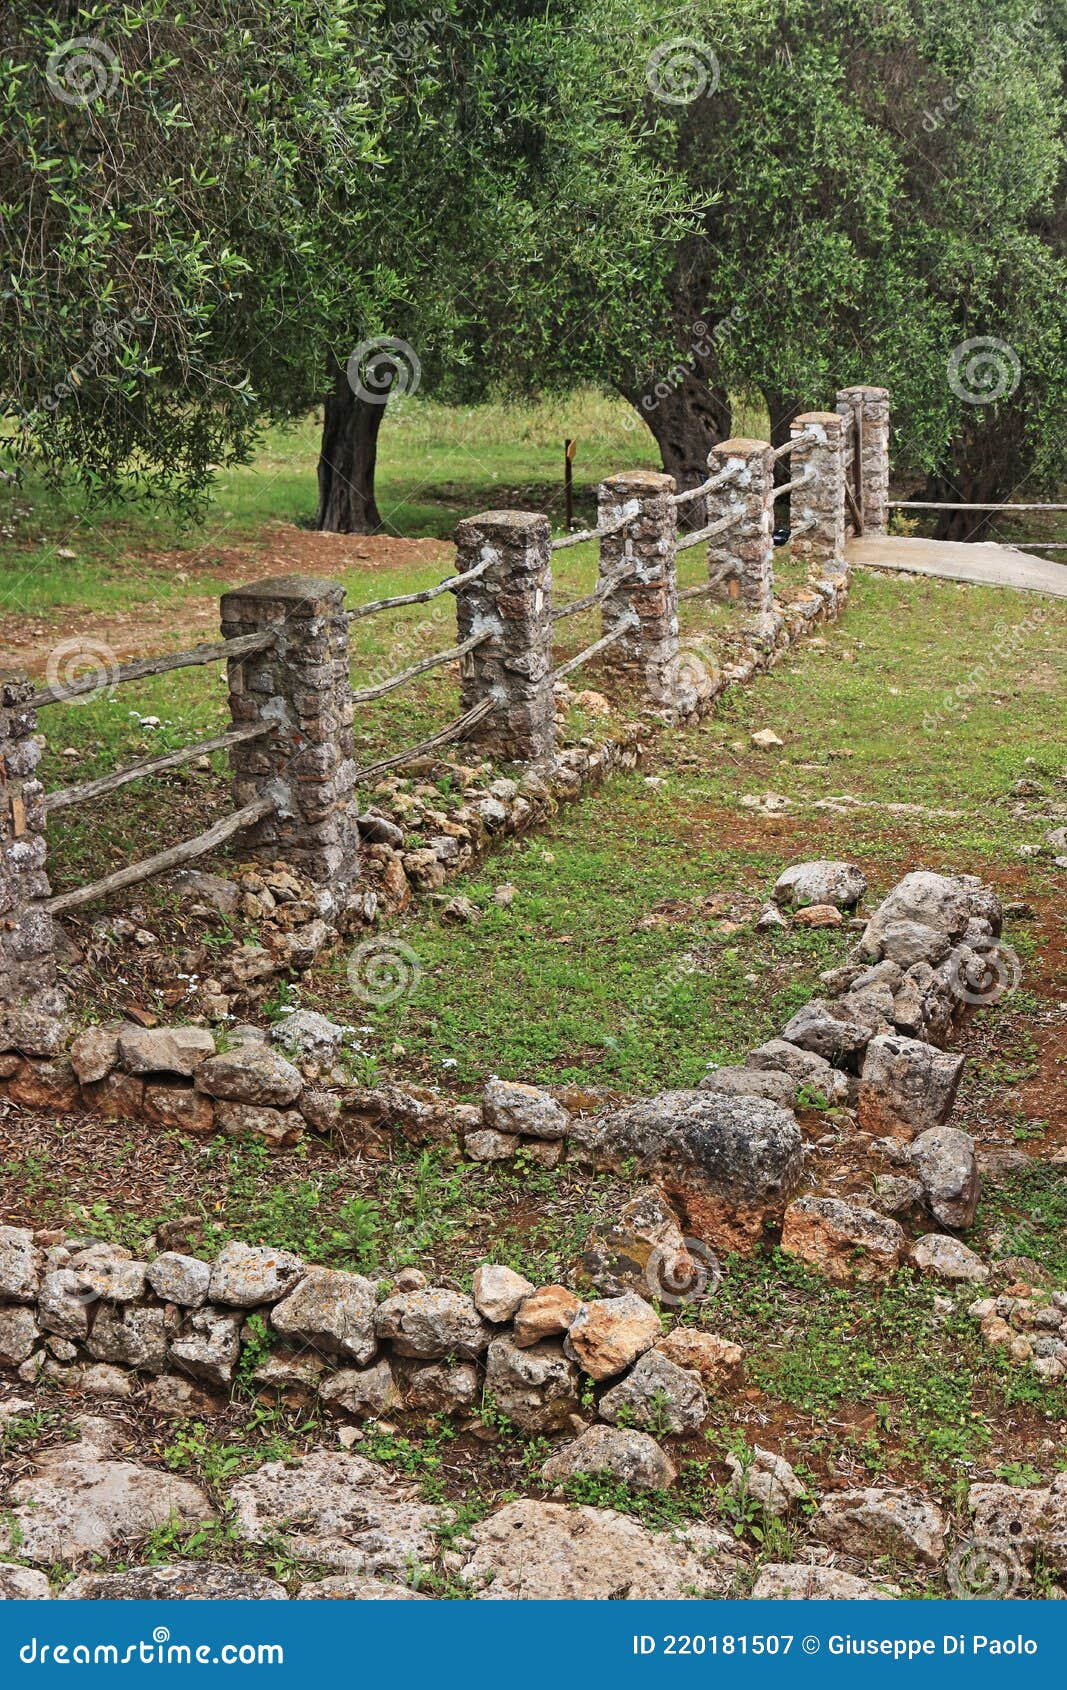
point(942, 1257)
point(535, 1387)
point(717, 1361)
point(656, 1396)
point(61, 1304)
point(606, 1336)
point(461, 912)
point(633, 1458)
point(432, 1324)
point(871, 1523)
point(179, 1108)
point(366, 1393)
point(770, 917)
point(512, 1108)
point(767, 1479)
point(103, 1380)
point(753, 1082)
point(498, 1291)
point(20, 1265)
point(839, 884)
point(332, 1310)
point(179, 1279)
point(23, 1584)
point(766, 739)
point(487, 1145)
point(164, 1050)
point(818, 915)
point(114, 1279)
point(210, 1347)
point(793, 1582)
point(252, 1073)
point(306, 1036)
point(945, 1162)
point(906, 1086)
point(246, 1276)
point(93, 1053)
point(441, 1387)
point(829, 1030)
point(187, 1581)
point(280, 1128)
point(546, 1313)
point(130, 1337)
point(19, 1333)
point(31, 1032)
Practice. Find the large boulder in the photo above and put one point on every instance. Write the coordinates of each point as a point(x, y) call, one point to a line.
point(632, 1458)
point(845, 1241)
point(545, 1551)
point(944, 1159)
point(906, 1086)
point(940, 1256)
point(730, 1163)
point(536, 1388)
point(839, 884)
point(945, 903)
point(339, 1510)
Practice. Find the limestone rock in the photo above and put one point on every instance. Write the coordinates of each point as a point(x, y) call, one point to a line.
point(22, 1584)
point(644, 1251)
point(253, 1073)
point(441, 1387)
point(432, 1324)
point(339, 1510)
point(944, 902)
point(1019, 1521)
point(811, 1072)
point(332, 1310)
point(179, 1108)
point(179, 1279)
point(339, 1588)
point(81, 1501)
point(280, 1128)
point(943, 1257)
point(535, 1387)
point(909, 942)
point(31, 1032)
point(546, 1313)
point(906, 1086)
point(845, 1241)
point(717, 1361)
point(945, 1161)
point(769, 1083)
point(114, 1279)
point(93, 1053)
point(101, 1379)
point(19, 1333)
point(20, 1265)
point(210, 1346)
point(729, 1162)
point(545, 1551)
point(129, 1337)
point(830, 1030)
point(795, 1582)
point(485, 1144)
point(633, 1458)
point(306, 1036)
point(656, 1396)
point(164, 1050)
point(247, 1275)
point(839, 884)
point(367, 1393)
point(187, 1581)
point(61, 1304)
point(768, 1479)
point(606, 1336)
point(870, 1523)
point(512, 1108)
point(498, 1291)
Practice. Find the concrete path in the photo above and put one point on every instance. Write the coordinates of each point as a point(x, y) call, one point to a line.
point(984, 561)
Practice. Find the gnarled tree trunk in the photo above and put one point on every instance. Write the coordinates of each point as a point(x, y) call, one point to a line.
point(687, 417)
point(347, 460)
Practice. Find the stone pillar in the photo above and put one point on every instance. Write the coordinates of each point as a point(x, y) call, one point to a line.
point(27, 931)
point(872, 405)
point(513, 600)
point(817, 510)
point(741, 560)
point(642, 552)
point(301, 685)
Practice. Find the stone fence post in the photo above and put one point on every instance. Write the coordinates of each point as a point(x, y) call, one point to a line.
point(300, 685)
point(817, 510)
point(871, 406)
point(27, 931)
point(513, 600)
point(642, 552)
point(741, 560)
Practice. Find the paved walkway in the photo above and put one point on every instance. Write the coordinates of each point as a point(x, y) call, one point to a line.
point(983, 561)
